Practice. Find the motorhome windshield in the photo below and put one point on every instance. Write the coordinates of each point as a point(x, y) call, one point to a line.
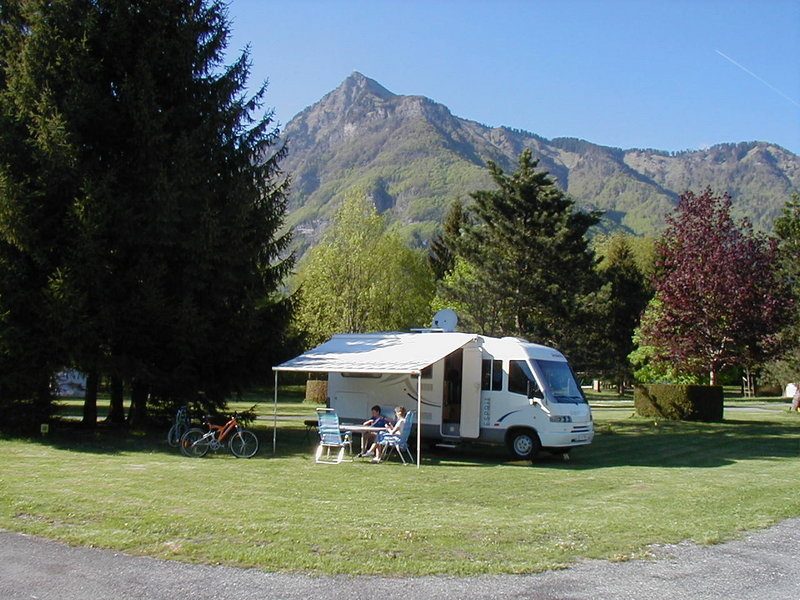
point(560, 381)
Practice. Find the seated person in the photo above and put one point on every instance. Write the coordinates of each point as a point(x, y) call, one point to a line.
point(368, 437)
point(391, 431)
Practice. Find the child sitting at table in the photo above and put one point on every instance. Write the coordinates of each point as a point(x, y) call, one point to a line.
point(391, 430)
point(368, 437)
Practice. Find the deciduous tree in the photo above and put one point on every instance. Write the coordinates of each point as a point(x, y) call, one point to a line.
point(361, 277)
point(721, 299)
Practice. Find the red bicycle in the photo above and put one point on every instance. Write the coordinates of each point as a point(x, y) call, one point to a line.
point(242, 443)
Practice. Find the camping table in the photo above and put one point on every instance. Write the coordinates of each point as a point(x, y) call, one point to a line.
point(361, 429)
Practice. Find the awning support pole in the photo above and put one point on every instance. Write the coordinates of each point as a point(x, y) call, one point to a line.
point(275, 417)
point(419, 416)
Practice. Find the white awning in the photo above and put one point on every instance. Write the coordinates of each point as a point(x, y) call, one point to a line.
point(378, 353)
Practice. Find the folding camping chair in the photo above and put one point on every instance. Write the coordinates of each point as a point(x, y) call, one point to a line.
point(332, 443)
point(399, 443)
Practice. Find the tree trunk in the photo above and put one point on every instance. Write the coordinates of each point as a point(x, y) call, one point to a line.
point(137, 415)
point(43, 400)
point(90, 401)
point(712, 377)
point(116, 412)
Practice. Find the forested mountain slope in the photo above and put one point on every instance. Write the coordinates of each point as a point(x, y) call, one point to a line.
point(413, 157)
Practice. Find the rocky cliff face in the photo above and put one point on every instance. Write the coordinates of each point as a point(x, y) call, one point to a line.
point(413, 157)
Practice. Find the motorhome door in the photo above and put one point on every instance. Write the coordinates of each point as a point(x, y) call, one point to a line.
point(471, 392)
point(461, 393)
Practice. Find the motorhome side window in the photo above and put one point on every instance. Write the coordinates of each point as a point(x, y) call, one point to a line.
point(492, 375)
point(497, 375)
point(518, 377)
point(362, 375)
point(427, 372)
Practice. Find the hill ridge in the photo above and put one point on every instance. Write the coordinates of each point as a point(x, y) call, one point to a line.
point(413, 156)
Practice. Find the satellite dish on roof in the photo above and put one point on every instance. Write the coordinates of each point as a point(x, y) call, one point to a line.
point(446, 320)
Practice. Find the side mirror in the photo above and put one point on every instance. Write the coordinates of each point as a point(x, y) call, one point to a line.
point(534, 393)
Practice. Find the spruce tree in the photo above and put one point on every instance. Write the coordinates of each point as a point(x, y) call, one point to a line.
point(37, 184)
point(628, 295)
point(787, 229)
point(528, 250)
point(173, 271)
point(443, 246)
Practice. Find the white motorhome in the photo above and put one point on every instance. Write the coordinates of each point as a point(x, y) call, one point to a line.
point(468, 387)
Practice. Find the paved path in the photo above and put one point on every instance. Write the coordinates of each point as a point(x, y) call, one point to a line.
point(764, 565)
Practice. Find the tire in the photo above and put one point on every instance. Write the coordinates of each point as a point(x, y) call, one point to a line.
point(172, 436)
point(175, 434)
point(192, 443)
point(523, 444)
point(243, 444)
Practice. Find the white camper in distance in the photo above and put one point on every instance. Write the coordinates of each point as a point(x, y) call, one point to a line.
point(473, 388)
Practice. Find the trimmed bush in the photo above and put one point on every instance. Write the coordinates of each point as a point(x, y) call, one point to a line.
point(679, 402)
point(317, 391)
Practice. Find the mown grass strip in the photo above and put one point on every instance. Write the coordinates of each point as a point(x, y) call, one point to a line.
point(466, 512)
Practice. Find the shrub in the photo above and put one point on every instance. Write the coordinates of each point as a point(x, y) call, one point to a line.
point(679, 402)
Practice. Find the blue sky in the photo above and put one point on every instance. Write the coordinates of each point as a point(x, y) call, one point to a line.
point(670, 75)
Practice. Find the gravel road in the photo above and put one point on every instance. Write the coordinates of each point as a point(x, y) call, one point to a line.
point(762, 565)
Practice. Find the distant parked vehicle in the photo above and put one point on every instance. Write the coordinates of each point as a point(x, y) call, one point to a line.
point(70, 384)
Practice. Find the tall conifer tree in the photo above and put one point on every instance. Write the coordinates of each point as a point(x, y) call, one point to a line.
point(176, 202)
point(530, 260)
point(443, 247)
point(787, 228)
point(37, 184)
point(628, 295)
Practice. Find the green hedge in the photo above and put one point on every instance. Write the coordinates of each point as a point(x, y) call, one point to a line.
point(679, 402)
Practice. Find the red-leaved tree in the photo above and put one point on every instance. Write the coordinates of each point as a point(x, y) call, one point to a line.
point(722, 301)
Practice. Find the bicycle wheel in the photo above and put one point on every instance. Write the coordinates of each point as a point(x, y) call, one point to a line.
point(175, 434)
point(244, 444)
point(194, 444)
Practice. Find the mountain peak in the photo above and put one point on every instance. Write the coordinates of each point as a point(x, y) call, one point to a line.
point(412, 156)
point(358, 83)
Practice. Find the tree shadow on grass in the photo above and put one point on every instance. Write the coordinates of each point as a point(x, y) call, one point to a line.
point(616, 444)
point(107, 439)
point(666, 445)
point(683, 444)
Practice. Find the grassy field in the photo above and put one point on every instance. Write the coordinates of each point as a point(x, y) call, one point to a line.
point(469, 511)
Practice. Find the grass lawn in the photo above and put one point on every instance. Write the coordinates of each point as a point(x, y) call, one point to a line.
point(466, 512)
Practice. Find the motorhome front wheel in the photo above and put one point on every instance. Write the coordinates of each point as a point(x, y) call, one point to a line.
point(523, 444)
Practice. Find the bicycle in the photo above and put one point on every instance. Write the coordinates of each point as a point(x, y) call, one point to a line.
point(242, 443)
point(179, 427)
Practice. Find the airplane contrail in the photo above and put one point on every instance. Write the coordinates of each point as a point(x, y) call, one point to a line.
point(749, 72)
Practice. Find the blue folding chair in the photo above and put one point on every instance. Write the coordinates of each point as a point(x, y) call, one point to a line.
point(332, 443)
point(399, 443)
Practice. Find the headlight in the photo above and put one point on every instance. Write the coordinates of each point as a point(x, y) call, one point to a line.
point(561, 419)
